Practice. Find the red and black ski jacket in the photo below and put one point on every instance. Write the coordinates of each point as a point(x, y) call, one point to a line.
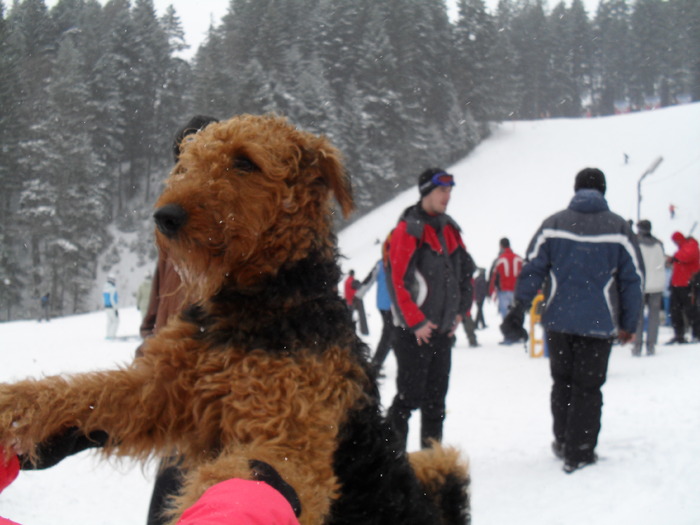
point(430, 270)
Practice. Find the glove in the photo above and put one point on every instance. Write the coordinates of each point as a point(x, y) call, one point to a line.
point(625, 337)
point(266, 473)
point(8, 469)
point(512, 326)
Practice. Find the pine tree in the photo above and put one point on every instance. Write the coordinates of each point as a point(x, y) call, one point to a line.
point(687, 16)
point(379, 107)
point(147, 55)
point(531, 40)
point(649, 39)
point(570, 58)
point(506, 81)
point(613, 65)
point(683, 55)
point(73, 182)
point(475, 44)
point(581, 31)
point(11, 271)
point(173, 102)
point(213, 88)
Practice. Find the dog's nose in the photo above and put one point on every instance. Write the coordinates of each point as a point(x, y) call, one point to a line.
point(169, 219)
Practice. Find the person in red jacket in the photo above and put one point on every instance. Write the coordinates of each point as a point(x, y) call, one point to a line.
point(429, 274)
point(685, 263)
point(504, 274)
point(355, 302)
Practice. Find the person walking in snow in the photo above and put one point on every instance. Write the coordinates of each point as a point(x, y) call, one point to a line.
point(45, 307)
point(355, 302)
point(468, 321)
point(431, 285)
point(110, 299)
point(654, 281)
point(386, 341)
point(504, 274)
point(480, 290)
point(594, 262)
point(685, 263)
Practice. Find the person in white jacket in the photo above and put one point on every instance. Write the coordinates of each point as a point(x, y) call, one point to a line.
point(111, 304)
point(655, 280)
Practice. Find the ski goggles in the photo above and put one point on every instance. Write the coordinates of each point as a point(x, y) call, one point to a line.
point(441, 178)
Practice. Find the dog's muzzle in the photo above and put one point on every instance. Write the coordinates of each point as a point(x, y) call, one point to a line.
point(169, 219)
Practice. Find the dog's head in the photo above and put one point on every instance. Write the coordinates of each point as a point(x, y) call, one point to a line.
point(247, 196)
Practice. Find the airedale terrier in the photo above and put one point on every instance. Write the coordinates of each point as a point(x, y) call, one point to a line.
point(265, 366)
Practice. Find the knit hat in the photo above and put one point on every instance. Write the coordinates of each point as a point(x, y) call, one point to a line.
point(196, 124)
point(432, 178)
point(591, 179)
point(677, 237)
point(644, 227)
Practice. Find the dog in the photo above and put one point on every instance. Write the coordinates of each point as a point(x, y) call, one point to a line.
point(265, 365)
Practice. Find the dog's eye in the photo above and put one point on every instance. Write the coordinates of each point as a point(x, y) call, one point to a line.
point(244, 164)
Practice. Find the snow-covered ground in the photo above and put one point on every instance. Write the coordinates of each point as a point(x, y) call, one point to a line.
point(498, 403)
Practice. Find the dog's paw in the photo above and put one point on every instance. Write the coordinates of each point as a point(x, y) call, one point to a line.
point(15, 418)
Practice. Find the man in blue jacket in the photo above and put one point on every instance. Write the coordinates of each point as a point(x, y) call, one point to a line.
point(596, 278)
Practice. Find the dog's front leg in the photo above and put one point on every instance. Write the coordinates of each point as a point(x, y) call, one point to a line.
point(33, 411)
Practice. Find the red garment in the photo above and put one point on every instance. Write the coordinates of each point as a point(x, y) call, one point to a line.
point(686, 261)
point(402, 254)
point(8, 472)
point(8, 469)
point(506, 270)
point(350, 289)
point(240, 502)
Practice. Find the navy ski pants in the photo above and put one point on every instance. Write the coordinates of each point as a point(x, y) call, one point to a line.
point(579, 366)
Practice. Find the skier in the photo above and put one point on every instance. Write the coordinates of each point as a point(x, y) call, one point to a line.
point(111, 305)
point(593, 260)
point(654, 263)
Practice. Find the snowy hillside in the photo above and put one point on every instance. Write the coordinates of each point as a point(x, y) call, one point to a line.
point(526, 170)
point(498, 408)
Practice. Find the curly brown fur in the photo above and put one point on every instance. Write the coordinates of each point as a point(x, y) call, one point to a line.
point(265, 365)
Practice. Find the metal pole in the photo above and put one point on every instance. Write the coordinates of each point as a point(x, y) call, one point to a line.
point(649, 171)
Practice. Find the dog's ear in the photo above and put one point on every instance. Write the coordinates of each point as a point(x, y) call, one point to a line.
point(333, 174)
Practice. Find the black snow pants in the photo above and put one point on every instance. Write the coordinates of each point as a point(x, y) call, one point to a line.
point(579, 367)
point(421, 383)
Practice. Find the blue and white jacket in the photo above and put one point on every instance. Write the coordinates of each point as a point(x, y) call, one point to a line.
point(110, 296)
point(595, 266)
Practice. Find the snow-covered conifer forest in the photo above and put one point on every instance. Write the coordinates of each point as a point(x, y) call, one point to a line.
point(92, 92)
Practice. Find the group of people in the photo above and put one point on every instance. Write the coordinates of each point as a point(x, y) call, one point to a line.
point(597, 276)
point(585, 256)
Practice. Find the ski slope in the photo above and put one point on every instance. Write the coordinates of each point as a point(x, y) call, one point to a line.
point(498, 403)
